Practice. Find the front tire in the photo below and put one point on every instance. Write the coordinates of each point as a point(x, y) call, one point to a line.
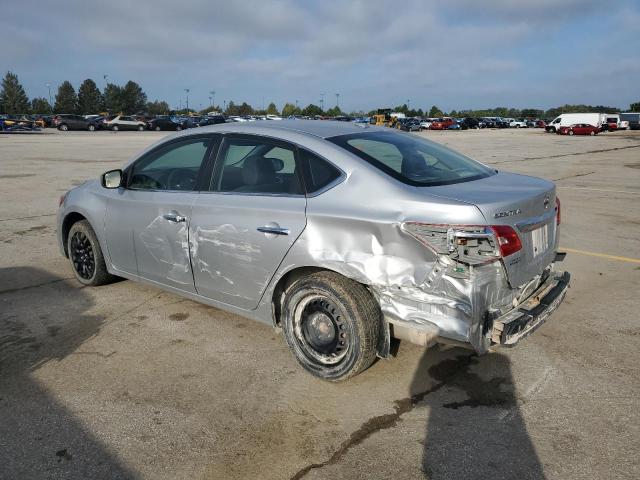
point(570, 132)
point(86, 256)
point(63, 127)
point(115, 128)
point(91, 128)
point(140, 128)
point(331, 325)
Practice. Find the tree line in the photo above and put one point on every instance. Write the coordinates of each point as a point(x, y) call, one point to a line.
point(131, 99)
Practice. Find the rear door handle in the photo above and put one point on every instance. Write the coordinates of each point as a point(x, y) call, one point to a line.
point(174, 217)
point(274, 230)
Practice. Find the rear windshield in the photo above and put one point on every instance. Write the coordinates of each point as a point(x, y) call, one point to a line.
point(411, 159)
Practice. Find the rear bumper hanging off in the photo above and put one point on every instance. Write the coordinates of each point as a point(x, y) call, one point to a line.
point(509, 329)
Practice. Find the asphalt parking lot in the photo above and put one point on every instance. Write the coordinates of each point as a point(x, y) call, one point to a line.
point(126, 381)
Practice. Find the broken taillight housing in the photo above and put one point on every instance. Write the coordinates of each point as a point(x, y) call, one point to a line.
point(557, 211)
point(470, 244)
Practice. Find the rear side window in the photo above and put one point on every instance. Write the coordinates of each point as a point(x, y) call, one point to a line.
point(320, 172)
point(412, 160)
point(248, 165)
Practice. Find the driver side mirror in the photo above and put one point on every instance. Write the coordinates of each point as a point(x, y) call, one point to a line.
point(112, 179)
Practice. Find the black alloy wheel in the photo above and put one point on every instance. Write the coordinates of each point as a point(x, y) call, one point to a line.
point(82, 256)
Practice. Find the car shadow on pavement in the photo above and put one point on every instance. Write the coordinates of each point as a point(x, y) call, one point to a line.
point(39, 436)
point(475, 429)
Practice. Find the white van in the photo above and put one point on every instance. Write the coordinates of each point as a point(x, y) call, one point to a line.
point(568, 119)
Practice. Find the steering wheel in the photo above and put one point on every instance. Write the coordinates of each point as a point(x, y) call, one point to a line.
point(181, 179)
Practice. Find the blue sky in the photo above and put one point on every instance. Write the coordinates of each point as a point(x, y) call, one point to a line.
point(455, 54)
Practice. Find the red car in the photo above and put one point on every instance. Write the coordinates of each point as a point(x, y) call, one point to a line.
point(441, 124)
point(541, 124)
point(578, 129)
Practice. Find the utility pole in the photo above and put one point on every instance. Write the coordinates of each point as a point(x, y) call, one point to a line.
point(187, 90)
point(212, 98)
point(322, 101)
point(408, 104)
point(296, 104)
point(50, 101)
point(337, 100)
point(225, 106)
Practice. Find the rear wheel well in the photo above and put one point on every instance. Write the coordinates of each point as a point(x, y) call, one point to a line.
point(67, 223)
point(286, 280)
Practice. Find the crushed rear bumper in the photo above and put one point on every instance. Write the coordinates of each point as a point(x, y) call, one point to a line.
point(522, 321)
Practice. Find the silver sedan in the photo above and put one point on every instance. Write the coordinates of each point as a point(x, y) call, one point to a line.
point(342, 236)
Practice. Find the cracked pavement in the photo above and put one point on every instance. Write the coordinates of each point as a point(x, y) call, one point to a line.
point(126, 381)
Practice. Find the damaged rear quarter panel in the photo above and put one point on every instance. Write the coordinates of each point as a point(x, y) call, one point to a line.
point(363, 239)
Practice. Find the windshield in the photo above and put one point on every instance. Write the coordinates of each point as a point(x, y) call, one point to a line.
point(411, 159)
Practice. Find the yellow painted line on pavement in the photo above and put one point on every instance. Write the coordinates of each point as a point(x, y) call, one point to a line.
point(601, 255)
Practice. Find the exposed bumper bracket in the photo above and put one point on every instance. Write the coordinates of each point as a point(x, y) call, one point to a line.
point(523, 321)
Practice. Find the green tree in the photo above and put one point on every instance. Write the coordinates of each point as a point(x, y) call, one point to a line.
point(334, 111)
point(40, 105)
point(89, 98)
point(435, 112)
point(133, 99)
point(312, 110)
point(245, 109)
point(290, 109)
point(232, 108)
point(66, 99)
point(13, 98)
point(634, 107)
point(158, 108)
point(112, 98)
point(272, 109)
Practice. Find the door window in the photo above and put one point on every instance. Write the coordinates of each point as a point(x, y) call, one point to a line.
point(174, 167)
point(257, 166)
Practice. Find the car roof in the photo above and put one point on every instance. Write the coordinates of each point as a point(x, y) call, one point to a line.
point(317, 128)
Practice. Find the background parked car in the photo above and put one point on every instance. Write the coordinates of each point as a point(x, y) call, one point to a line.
point(211, 120)
point(470, 122)
point(517, 123)
point(578, 129)
point(165, 122)
point(124, 122)
point(66, 122)
point(441, 124)
point(409, 124)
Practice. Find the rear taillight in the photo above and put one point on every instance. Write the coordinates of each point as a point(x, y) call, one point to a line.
point(470, 244)
point(557, 211)
point(508, 240)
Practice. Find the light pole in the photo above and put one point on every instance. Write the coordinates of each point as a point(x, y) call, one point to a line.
point(212, 98)
point(224, 103)
point(50, 101)
point(337, 101)
point(187, 90)
point(322, 101)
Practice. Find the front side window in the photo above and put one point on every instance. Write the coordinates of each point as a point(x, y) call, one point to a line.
point(412, 160)
point(173, 167)
point(256, 166)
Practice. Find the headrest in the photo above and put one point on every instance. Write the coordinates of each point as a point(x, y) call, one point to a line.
point(258, 170)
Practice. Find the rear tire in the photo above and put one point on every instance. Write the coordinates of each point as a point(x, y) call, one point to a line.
point(592, 133)
point(115, 128)
point(85, 254)
point(63, 127)
point(178, 128)
point(91, 128)
point(140, 128)
point(570, 132)
point(331, 325)
point(157, 129)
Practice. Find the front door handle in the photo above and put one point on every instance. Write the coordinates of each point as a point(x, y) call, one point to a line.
point(274, 230)
point(174, 217)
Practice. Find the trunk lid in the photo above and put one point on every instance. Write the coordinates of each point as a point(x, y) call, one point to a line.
point(527, 204)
